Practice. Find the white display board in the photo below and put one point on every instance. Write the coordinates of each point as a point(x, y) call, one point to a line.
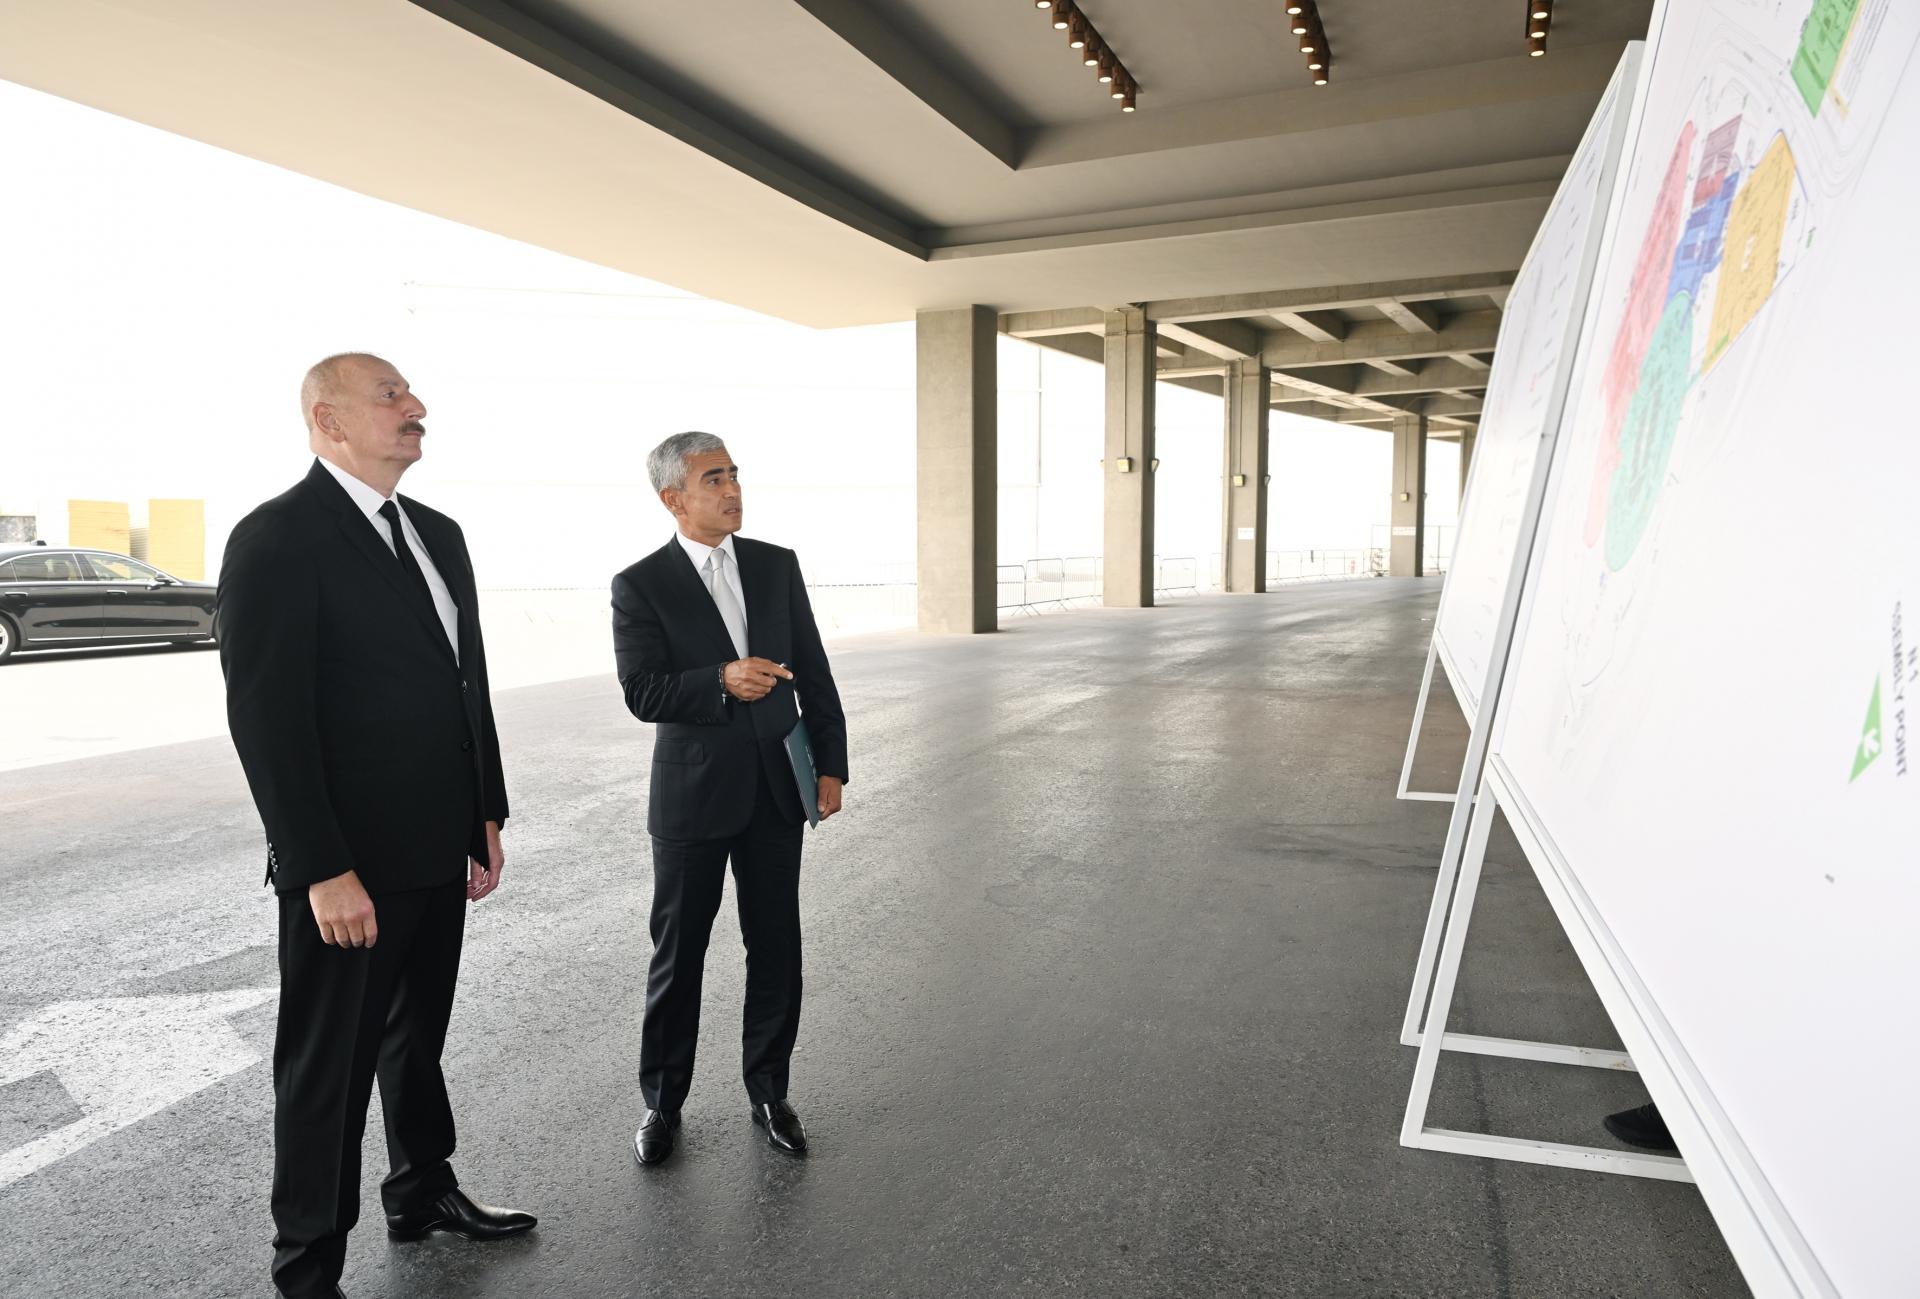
point(1708, 734)
point(1525, 391)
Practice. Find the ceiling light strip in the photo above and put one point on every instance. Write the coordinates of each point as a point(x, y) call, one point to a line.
point(1303, 20)
point(1085, 41)
point(1539, 18)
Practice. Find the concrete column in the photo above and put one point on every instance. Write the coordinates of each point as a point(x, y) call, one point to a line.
point(957, 408)
point(1407, 556)
point(1243, 550)
point(1466, 458)
point(1128, 546)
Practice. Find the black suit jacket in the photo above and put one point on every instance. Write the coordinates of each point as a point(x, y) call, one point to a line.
point(366, 746)
point(669, 644)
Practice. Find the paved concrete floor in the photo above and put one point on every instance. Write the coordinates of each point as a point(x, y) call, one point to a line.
point(1105, 965)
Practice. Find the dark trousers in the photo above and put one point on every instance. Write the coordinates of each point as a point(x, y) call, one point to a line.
point(348, 1014)
point(687, 881)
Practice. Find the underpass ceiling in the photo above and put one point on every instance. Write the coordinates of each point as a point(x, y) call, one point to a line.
point(840, 162)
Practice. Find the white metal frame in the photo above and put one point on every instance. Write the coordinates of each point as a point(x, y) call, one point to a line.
point(1414, 1131)
point(1413, 739)
point(1624, 92)
point(1774, 1257)
point(1463, 854)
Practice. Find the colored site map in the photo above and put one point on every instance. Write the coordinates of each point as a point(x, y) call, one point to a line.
point(1731, 178)
point(1709, 259)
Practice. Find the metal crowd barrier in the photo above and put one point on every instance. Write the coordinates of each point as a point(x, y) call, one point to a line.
point(1325, 565)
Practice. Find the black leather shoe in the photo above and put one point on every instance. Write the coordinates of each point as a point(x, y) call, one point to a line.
point(654, 1141)
point(784, 1132)
point(455, 1213)
point(1642, 1126)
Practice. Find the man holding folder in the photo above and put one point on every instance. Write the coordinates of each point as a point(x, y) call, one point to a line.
point(714, 642)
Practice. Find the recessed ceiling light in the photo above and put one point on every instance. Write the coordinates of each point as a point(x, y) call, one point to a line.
point(1536, 46)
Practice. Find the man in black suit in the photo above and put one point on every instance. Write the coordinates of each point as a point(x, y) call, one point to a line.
point(715, 643)
point(357, 697)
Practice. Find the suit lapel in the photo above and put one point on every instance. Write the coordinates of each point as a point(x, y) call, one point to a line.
point(358, 531)
point(685, 579)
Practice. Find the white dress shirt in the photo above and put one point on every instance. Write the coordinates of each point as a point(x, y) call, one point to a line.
point(731, 573)
point(369, 501)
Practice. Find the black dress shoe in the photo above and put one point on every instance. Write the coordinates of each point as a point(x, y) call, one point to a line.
point(784, 1132)
point(1642, 1126)
point(654, 1141)
point(454, 1212)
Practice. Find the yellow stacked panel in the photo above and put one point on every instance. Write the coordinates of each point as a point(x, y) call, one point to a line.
point(177, 538)
point(100, 525)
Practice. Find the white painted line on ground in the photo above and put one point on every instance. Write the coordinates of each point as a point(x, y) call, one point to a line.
point(122, 1060)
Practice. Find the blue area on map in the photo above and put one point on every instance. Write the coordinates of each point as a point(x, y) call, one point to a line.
point(1699, 250)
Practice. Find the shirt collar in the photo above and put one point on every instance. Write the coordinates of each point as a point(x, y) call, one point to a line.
point(698, 553)
point(366, 498)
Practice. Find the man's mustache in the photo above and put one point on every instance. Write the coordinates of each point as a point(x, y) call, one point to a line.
point(414, 426)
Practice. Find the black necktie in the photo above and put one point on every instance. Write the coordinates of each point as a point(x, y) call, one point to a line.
point(416, 580)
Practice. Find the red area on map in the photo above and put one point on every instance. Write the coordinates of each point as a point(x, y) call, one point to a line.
point(1645, 299)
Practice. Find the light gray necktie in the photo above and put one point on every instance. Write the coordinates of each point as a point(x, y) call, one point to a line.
point(724, 601)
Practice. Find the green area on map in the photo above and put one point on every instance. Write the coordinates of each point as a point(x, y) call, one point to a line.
point(1646, 439)
point(1821, 41)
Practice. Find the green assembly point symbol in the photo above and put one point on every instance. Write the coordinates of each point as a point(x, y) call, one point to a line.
point(1869, 749)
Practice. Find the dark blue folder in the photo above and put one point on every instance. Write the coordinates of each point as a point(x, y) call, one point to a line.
point(800, 754)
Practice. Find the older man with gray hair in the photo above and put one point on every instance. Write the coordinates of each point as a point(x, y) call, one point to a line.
point(357, 698)
point(715, 643)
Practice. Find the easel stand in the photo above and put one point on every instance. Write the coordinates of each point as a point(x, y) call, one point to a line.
point(1413, 740)
point(1461, 878)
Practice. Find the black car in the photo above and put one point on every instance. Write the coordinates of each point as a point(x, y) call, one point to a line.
point(54, 596)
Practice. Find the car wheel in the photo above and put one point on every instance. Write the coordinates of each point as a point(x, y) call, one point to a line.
point(9, 636)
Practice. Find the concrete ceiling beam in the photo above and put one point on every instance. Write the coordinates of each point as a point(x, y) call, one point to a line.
point(1230, 340)
point(1382, 340)
point(1319, 326)
point(1438, 375)
point(1333, 298)
point(1414, 317)
point(1045, 324)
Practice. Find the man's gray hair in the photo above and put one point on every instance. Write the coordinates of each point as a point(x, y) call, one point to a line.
point(667, 463)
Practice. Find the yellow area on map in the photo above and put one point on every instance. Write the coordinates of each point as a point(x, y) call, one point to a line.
point(1750, 255)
